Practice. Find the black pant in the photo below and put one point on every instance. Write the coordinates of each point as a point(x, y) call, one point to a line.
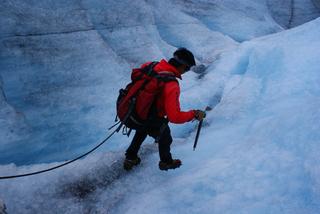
point(160, 131)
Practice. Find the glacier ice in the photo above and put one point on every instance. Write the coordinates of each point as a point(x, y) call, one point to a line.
point(55, 87)
point(2, 207)
point(269, 164)
point(61, 64)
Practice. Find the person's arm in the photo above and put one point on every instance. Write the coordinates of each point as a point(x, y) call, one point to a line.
point(172, 105)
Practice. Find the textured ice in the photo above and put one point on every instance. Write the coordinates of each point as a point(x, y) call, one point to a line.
point(58, 61)
point(2, 207)
point(63, 71)
point(61, 64)
point(258, 152)
point(291, 13)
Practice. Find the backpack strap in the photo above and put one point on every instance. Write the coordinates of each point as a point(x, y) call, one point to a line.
point(149, 69)
point(166, 76)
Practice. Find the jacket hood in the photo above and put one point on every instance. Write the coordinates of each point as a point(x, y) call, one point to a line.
point(163, 65)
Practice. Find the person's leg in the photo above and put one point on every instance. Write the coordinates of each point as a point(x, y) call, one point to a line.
point(160, 130)
point(164, 143)
point(162, 134)
point(132, 151)
point(166, 162)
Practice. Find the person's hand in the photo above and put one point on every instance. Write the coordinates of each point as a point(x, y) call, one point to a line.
point(199, 114)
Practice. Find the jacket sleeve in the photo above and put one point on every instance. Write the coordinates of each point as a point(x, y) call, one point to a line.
point(172, 104)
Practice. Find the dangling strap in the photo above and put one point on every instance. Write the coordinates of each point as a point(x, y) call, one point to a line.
point(126, 131)
point(148, 70)
point(129, 132)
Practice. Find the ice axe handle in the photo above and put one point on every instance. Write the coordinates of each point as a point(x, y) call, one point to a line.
point(197, 135)
point(208, 108)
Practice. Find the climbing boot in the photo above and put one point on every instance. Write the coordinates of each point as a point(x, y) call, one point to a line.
point(129, 163)
point(176, 163)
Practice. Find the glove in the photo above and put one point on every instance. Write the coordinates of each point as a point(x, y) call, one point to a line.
point(199, 114)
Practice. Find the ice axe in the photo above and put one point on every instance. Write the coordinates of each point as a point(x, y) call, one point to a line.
point(199, 129)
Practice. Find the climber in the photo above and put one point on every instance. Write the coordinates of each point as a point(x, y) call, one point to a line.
point(165, 107)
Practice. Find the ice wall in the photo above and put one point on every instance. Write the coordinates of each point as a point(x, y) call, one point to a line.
point(2, 207)
point(257, 153)
point(11, 122)
point(291, 13)
point(63, 62)
point(259, 150)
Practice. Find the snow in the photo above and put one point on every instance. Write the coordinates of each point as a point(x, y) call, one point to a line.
point(268, 164)
point(258, 150)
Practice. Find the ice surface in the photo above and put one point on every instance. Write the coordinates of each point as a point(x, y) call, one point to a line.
point(59, 59)
point(11, 122)
point(258, 150)
point(2, 207)
point(63, 71)
point(242, 20)
point(291, 13)
point(259, 153)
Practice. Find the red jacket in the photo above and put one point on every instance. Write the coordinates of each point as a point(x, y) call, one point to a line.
point(168, 101)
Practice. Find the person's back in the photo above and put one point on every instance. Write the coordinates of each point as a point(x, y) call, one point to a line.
point(166, 109)
point(167, 102)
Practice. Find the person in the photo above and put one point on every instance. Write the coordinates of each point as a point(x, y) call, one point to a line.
point(167, 107)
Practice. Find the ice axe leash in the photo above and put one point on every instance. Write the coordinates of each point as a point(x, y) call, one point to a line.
point(199, 129)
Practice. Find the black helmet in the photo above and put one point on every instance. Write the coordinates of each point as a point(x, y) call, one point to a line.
point(184, 57)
